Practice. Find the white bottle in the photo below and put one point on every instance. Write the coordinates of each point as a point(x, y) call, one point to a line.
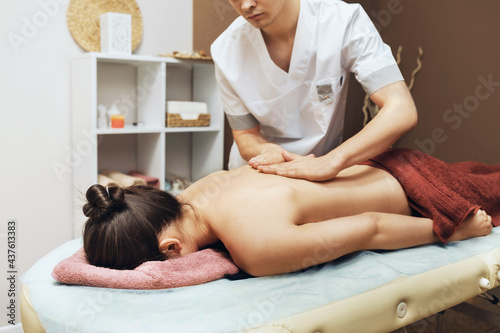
point(102, 117)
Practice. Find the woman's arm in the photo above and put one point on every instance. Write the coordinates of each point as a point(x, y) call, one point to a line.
point(311, 244)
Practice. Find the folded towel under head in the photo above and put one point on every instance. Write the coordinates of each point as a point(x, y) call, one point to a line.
point(192, 269)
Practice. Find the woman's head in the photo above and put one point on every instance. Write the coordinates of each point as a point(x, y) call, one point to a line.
point(124, 223)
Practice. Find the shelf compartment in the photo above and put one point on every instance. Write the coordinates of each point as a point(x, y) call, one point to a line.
point(193, 155)
point(127, 152)
point(137, 90)
point(192, 81)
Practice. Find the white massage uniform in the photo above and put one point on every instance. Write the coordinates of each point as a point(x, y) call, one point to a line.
point(302, 110)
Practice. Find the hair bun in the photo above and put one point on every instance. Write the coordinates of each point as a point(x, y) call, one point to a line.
point(102, 201)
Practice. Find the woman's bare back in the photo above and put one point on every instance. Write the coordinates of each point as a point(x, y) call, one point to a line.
point(246, 191)
point(272, 224)
point(245, 200)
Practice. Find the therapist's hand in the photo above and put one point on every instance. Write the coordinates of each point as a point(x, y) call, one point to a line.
point(270, 155)
point(304, 167)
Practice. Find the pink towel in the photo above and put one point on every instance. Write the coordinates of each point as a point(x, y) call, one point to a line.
point(195, 268)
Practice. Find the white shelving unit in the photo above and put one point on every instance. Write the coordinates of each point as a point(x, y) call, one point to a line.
point(140, 86)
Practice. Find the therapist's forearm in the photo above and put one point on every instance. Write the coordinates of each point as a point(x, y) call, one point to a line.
point(250, 151)
point(390, 124)
point(397, 116)
point(251, 144)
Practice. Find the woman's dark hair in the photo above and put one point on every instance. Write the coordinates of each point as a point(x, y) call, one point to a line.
point(123, 224)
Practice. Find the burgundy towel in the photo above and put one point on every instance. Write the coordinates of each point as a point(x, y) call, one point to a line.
point(195, 268)
point(446, 193)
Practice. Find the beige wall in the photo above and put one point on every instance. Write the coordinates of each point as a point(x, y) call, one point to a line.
point(210, 18)
point(459, 114)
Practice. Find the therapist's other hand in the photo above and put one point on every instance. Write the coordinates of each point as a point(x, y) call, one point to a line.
point(304, 167)
point(270, 155)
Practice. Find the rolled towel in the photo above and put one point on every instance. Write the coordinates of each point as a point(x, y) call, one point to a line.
point(151, 181)
point(123, 179)
point(192, 269)
point(104, 180)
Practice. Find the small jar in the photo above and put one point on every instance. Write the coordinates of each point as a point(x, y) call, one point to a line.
point(117, 121)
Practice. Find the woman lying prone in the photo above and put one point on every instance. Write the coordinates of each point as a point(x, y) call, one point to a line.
point(269, 224)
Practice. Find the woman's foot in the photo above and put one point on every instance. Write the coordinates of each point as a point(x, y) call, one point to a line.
point(475, 225)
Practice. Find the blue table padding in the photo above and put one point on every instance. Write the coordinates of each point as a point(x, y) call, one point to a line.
point(224, 305)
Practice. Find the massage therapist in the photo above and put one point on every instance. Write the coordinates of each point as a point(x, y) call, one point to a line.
point(283, 70)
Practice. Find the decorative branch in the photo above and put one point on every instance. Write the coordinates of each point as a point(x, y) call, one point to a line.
point(419, 67)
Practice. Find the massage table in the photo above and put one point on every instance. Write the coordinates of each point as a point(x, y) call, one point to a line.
point(368, 291)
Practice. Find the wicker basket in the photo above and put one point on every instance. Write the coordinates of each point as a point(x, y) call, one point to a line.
point(83, 19)
point(175, 120)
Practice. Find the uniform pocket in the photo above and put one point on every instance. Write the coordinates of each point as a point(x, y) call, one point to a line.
point(325, 93)
point(327, 89)
point(324, 96)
